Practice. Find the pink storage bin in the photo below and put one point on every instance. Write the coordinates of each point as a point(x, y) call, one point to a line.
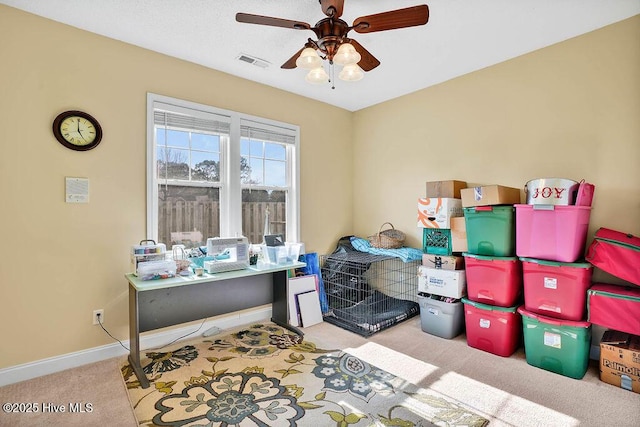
point(556, 289)
point(555, 233)
point(493, 280)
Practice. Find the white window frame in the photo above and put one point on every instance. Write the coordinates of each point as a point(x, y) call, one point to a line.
point(230, 185)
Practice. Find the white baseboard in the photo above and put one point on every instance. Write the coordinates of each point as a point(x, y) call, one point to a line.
point(54, 364)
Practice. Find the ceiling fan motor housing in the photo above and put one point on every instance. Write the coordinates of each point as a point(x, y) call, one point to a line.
point(331, 34)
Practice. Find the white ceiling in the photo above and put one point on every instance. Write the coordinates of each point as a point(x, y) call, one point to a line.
point(461, 36)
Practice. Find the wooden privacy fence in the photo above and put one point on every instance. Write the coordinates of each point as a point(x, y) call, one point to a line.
point(182, 219)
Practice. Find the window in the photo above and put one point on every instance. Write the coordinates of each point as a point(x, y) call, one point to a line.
point(218, 173)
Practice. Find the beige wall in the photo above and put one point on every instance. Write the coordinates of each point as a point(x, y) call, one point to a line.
point(61, 261)
point(569, 110)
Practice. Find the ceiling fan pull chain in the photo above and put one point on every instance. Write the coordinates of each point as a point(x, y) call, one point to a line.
point(331, 79)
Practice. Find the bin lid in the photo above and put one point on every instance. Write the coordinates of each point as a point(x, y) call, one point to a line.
point(631, 293)
point(489, 208)
point(557, 263)
point(552, 320)
point(542, 207)
point(489, 307)
point(490, 258)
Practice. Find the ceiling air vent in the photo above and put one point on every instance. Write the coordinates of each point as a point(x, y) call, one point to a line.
point(253, 60)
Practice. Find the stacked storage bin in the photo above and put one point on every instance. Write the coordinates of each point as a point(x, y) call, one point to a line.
point(550, 241)
point(617, 307)
point(441, 277)
point(494, 278)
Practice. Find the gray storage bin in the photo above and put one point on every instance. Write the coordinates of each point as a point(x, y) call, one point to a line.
point(443, 319)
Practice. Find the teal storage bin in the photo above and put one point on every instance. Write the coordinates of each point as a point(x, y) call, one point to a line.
point(491, 230)
point(556, 345)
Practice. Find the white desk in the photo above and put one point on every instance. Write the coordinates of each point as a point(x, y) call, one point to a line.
point(155, 304)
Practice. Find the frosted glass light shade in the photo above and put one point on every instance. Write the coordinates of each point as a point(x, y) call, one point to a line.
point(346, 54)
point(308, 59)
point(351, 73)
point(317, 76)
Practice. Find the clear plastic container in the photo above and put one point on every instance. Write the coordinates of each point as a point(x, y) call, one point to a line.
point(152, 270)
point(281, 255)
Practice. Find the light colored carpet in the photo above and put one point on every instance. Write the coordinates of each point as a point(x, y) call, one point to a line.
point(96, 392)
point(507, 391)
point(262, 375)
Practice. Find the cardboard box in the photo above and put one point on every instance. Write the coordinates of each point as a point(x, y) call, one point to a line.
point(459, 235)
point(449, 189)
point(446, 283)
point(489, 195)
point(620, 360)
point(437, 212)
point(445, 262)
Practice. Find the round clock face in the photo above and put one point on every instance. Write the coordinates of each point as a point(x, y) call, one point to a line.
point(77, 130)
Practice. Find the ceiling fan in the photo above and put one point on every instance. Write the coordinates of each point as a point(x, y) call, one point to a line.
point(331, 33)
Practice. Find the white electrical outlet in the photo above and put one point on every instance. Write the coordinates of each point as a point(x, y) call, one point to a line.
point(96, 313)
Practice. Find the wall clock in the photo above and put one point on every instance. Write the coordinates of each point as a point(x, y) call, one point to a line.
point(77, 130)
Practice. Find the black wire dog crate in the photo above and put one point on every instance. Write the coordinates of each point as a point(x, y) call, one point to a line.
point(368, 293)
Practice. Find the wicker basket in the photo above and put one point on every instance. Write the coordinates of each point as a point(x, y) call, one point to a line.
point(387, 239)
point(180, 257)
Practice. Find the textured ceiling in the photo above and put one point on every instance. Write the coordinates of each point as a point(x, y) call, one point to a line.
point(461, 36)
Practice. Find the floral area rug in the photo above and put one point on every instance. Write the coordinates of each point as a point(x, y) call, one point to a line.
point(263, 375)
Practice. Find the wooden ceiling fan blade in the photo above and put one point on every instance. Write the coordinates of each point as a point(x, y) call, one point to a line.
point(337, 5)
point(248, 18)
point(291, 62)
point(367, 61)
point(400, 18)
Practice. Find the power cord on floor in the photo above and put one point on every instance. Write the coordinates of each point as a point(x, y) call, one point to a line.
point(108, 333)
point(179, 338)
point(156, 348)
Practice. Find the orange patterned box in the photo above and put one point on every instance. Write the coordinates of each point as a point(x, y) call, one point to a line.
point(437, 212)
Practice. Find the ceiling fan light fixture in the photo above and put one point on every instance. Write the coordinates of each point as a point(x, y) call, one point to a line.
point(351, 73)
point(317, 76)
point(346, 54)
point(309, 59)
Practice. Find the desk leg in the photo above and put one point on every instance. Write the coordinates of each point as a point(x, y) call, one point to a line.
point(134, 338)
point(279, 314)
